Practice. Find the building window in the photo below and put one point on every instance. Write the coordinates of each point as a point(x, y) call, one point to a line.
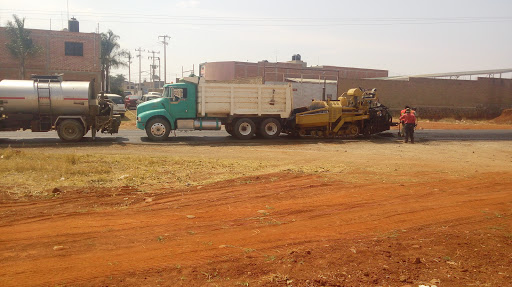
point(74, 49)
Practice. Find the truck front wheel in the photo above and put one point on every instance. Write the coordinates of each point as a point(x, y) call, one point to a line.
point(70, 130)
point(270, 128)
point(244, 129)
point(158, 129)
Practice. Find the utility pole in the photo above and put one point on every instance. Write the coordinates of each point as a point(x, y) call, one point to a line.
point(151, 74)
point(140, 71)
point(153, 67)
point(129, 68)
point(165, 55)
point(159, 75)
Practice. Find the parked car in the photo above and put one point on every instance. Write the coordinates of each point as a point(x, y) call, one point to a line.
point(149, 97)
point(131, 101)
point(119, 107)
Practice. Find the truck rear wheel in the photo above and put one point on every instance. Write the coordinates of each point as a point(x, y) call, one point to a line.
point(70, 130)
point(270, 128)
point(244, 129)
point(158, 129)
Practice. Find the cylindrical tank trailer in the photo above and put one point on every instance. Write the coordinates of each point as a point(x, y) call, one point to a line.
point(26, 96)
point(47, 103)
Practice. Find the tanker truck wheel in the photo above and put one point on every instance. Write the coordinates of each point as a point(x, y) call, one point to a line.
point(70, 130)
point(244, 129)
point(158, 129)
point(270, 128)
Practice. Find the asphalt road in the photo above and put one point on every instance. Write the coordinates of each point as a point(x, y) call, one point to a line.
point(24, 138)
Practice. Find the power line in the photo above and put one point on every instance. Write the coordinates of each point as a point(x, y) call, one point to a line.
point(338, 24)
point(269, 21)
point(166, 16)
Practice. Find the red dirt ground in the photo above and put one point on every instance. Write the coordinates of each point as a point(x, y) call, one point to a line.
point(491, 125)
point(273, 230)
point(504, 121)
point(505, 117)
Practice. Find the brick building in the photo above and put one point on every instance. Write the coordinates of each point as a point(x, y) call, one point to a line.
point(280, 71)
point(75, 55)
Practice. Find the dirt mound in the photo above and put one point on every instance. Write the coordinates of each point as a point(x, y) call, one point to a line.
point(504, 118)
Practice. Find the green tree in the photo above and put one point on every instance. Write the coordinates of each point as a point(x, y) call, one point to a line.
point(111, 57)
point(20, 44)
point(116, 84)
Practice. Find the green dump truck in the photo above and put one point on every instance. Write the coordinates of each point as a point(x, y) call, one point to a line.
point(245, 110)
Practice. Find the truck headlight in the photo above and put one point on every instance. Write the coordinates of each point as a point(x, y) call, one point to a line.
point(138, 119)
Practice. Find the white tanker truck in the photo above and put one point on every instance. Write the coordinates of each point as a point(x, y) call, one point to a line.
point(46, 103)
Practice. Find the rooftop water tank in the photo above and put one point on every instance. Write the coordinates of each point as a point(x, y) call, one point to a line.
point(73, 25)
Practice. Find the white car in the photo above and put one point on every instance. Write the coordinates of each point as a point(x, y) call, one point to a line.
point(148, 97)
point(119, 107)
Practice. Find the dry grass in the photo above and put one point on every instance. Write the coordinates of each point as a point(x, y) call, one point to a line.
point(128, 122)
point(37, 170)
point(24, 172)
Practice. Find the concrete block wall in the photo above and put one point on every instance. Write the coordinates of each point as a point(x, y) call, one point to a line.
point(438, 98)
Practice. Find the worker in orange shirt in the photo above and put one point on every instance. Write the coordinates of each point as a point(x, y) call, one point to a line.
point(409, 120)
point(402, 125)
point(402, 112)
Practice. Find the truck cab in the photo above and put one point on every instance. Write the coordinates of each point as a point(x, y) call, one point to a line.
point(158, 117)
point(182, 99)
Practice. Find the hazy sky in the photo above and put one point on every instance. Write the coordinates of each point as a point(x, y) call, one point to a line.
point(404, 37)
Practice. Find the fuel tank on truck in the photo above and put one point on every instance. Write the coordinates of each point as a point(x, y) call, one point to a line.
point(49, 97)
